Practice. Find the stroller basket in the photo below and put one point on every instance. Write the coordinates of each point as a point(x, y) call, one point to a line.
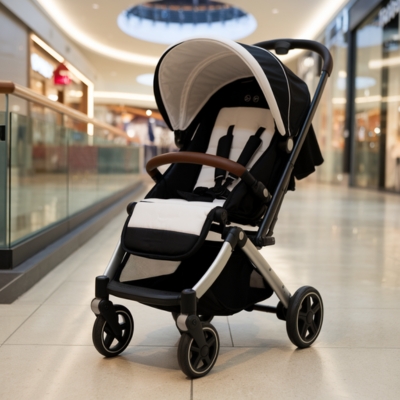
point(191, 247)
point(238, 287)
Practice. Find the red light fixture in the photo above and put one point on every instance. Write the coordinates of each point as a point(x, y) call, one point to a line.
point(61, 75)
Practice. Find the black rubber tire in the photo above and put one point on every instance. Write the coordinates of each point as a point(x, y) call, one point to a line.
point(103, 338)
point(304, 317)
point(190, 360)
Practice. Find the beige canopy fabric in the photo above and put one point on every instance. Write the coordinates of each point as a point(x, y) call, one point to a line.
point(189, 73)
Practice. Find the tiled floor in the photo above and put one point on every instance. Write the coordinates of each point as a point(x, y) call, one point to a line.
point(344, 242)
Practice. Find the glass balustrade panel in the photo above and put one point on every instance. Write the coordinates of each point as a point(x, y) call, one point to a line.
point(38, 173)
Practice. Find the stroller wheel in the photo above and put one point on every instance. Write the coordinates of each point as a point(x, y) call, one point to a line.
point(104, 339)
point(304, 316)
point(196, 362)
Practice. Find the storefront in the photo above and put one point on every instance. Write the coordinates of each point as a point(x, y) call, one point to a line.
point(52, 76)
point(358, 124)
point(377, 100)
point(329, 122)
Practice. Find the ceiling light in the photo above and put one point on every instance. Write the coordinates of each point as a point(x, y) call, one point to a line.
point(75, 93)
point(167, 22)
point(145, 79)
point(275, 11)
point(131, 132)
point(95, 6)
point(362, 82)
point(124, 96)
point(387, 62)
point(59, 16)
point(368, 99)
point(149, 112)
point(308, 62)
point(126, 118)
point(339, 100)
point(53, 97)
point(41, 66)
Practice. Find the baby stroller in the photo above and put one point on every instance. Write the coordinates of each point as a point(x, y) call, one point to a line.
point(242, 121)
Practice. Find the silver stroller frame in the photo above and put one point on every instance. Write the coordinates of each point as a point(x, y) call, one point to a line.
point(199, 344)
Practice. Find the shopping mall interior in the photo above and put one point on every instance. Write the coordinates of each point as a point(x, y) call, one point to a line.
point(200, 110)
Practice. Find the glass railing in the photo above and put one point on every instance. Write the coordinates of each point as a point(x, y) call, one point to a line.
point(55, 163)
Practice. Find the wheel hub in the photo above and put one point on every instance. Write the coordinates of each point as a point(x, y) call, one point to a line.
point(310, 317)
point(204, 351)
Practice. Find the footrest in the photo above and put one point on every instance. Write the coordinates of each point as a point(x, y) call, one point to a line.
point(144, 295)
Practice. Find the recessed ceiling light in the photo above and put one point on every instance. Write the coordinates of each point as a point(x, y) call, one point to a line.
point(149, 112)
point(95, 6)
point(76, 93)
point(159, 22)
point(145, 79)
point(124, 96)
point(275, 11)
point(308, 62)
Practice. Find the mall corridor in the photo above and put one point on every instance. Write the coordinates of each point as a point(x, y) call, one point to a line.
point(344, 242)
point(198, 118)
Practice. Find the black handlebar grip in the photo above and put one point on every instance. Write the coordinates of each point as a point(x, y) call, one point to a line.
point(282, 46)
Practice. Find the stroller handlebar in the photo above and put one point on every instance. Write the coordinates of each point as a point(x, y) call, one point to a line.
point(282, 46)
point(191, 157)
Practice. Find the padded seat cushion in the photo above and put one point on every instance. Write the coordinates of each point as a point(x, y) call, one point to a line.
point(170, 229)
point(246, 121)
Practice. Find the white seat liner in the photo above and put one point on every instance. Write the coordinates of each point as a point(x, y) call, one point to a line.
point(247, 120)
point(176, 215)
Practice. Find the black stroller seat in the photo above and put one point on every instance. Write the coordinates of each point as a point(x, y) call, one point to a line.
point(175, 227)
point(242, 121)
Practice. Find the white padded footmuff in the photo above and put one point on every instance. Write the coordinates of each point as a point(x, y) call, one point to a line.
point(168, 228)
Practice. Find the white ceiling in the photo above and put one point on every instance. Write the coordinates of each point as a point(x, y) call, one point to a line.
point(96, 32)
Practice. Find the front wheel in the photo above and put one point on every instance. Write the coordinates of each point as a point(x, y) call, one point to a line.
point(105, 341)
point(304, 316)
point(194, 361)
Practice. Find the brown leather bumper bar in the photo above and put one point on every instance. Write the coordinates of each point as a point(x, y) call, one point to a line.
point(190, 157)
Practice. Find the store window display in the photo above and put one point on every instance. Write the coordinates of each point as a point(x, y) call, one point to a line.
point(377, 122)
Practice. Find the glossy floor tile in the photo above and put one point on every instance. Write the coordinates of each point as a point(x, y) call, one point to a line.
point(342, 241)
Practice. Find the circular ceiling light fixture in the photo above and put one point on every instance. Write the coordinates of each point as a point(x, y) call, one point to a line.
point(170, 21)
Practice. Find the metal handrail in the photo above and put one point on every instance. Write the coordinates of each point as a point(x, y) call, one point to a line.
point(8, 87)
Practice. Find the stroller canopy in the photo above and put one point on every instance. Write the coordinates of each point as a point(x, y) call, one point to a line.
point(190, 72)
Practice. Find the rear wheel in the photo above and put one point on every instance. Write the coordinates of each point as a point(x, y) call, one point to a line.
point(105, 341)
point(304, 316)
point(194, 361)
